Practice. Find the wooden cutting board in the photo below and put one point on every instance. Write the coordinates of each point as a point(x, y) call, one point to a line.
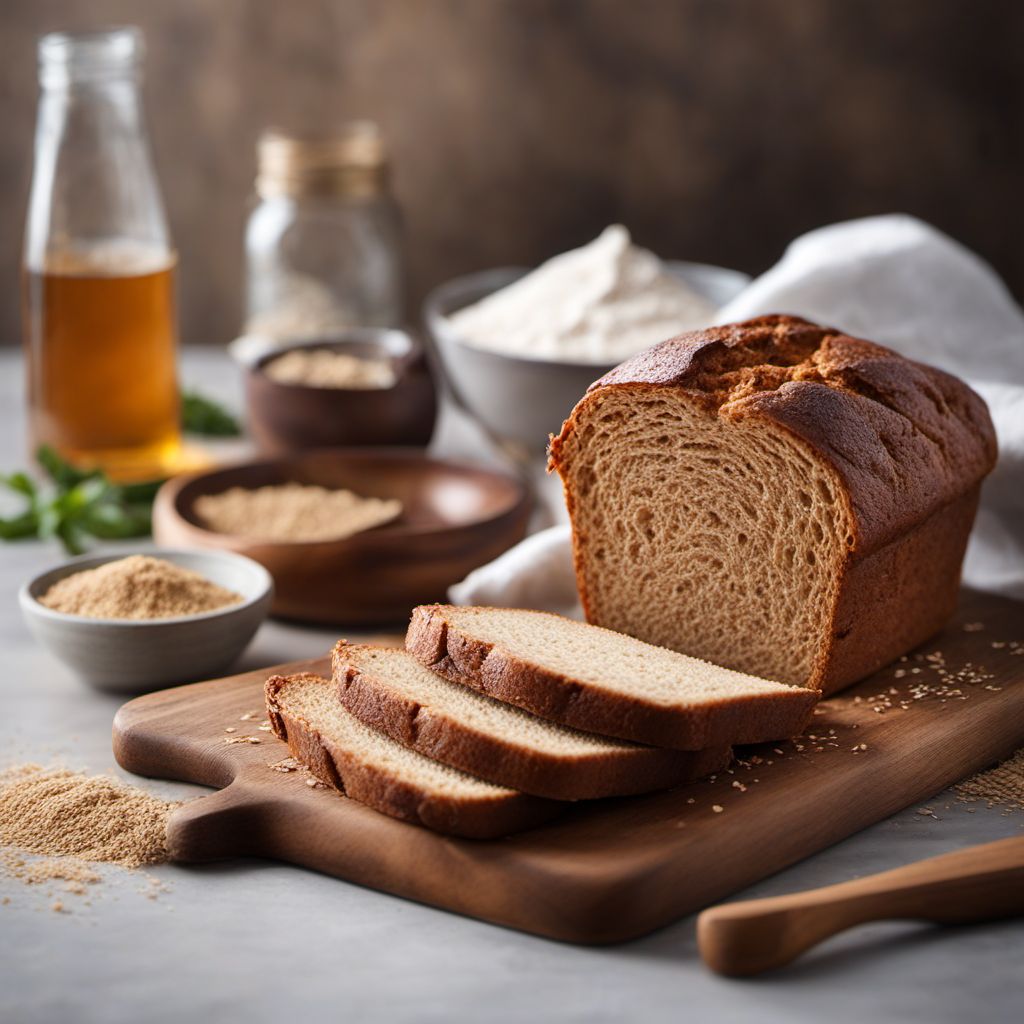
point(611, 870)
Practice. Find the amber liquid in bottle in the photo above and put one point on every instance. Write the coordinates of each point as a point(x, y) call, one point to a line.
point(100, 347)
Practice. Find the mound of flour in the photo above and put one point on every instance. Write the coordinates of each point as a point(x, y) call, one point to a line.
point(598, 304)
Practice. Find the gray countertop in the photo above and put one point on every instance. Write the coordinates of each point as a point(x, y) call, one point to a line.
point(258, 941)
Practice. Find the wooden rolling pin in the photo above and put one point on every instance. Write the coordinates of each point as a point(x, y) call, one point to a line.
point(979, 883)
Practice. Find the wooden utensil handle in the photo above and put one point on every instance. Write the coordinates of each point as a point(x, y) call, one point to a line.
point(976, 884)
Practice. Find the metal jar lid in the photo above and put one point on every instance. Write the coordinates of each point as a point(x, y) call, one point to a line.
point(351, 162)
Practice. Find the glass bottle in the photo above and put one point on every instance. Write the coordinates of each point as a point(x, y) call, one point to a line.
point(98, 268)
point(323, 244)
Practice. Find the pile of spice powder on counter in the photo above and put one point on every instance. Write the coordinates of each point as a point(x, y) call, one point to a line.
point(137, 587)
point(1002, 786)
point(294, 512)
point(324, 368)
point(56, 823)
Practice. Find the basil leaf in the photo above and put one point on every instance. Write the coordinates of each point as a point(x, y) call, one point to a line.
point(18, 527)
point(79, 504)
point(115, 522)
point(140, 493)
point(62, 473)
point(22, 483)
point(71, 536)
point(50, 519)
point(203, 416)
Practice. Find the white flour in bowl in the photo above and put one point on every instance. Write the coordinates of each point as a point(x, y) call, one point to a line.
point(598, 304)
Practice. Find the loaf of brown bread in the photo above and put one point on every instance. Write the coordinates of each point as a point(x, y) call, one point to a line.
point(774, 496)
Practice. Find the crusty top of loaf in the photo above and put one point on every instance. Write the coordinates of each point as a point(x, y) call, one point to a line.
point(904, 437)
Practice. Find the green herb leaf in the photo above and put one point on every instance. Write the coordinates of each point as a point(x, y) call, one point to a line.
point(72, 536)
point(19, 527)
point(141, 493)
point(77, 505)
point(50, 518)
point(206, 417)
point(116, 522)
point(22, 483)
point(62, 473)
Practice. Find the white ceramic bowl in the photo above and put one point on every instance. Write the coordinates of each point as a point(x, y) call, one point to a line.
point(524, 400)
point(134, 656)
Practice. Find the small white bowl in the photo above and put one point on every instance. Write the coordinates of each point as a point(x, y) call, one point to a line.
point(519, 399)
point(138, 655)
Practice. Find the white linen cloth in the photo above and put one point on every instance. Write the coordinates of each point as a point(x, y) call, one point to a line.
point(892, 279)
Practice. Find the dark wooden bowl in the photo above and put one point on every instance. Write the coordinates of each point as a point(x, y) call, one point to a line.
point(455, 518)
point(286, 418)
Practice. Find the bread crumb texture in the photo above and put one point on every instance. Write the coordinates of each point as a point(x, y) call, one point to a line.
point(137, 587)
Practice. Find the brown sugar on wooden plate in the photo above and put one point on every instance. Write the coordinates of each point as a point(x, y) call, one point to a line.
point(137, 587)
point(1001, 786)
point(294, 512)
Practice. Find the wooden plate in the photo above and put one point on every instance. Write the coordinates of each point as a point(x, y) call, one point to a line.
point(455, 518)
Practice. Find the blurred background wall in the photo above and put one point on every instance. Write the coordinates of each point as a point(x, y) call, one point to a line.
point(715, 129)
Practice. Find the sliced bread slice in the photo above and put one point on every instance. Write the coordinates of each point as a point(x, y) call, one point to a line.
point(390, 691)
point(340, 750)
point(593, 679)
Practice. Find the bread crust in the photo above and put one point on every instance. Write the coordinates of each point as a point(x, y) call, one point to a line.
point(442, 646)
point(624, 772)
point(909, 444)
point(486, 818)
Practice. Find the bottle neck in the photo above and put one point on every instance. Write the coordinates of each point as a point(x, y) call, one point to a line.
point(93, 181)
point(92, 58)
point(99, 106)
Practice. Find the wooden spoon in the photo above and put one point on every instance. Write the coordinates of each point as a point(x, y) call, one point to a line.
point(976, 884)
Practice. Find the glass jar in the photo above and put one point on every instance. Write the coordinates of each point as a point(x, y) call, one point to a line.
point(323, 244)
point(98, 266)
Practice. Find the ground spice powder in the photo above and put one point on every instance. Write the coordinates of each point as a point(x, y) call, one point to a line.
point(76, 874)
point(137, 587)
point(57, 813)
point(294, 512)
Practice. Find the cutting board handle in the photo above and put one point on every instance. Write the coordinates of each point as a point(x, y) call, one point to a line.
point(219, 826)
point(976, 884)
